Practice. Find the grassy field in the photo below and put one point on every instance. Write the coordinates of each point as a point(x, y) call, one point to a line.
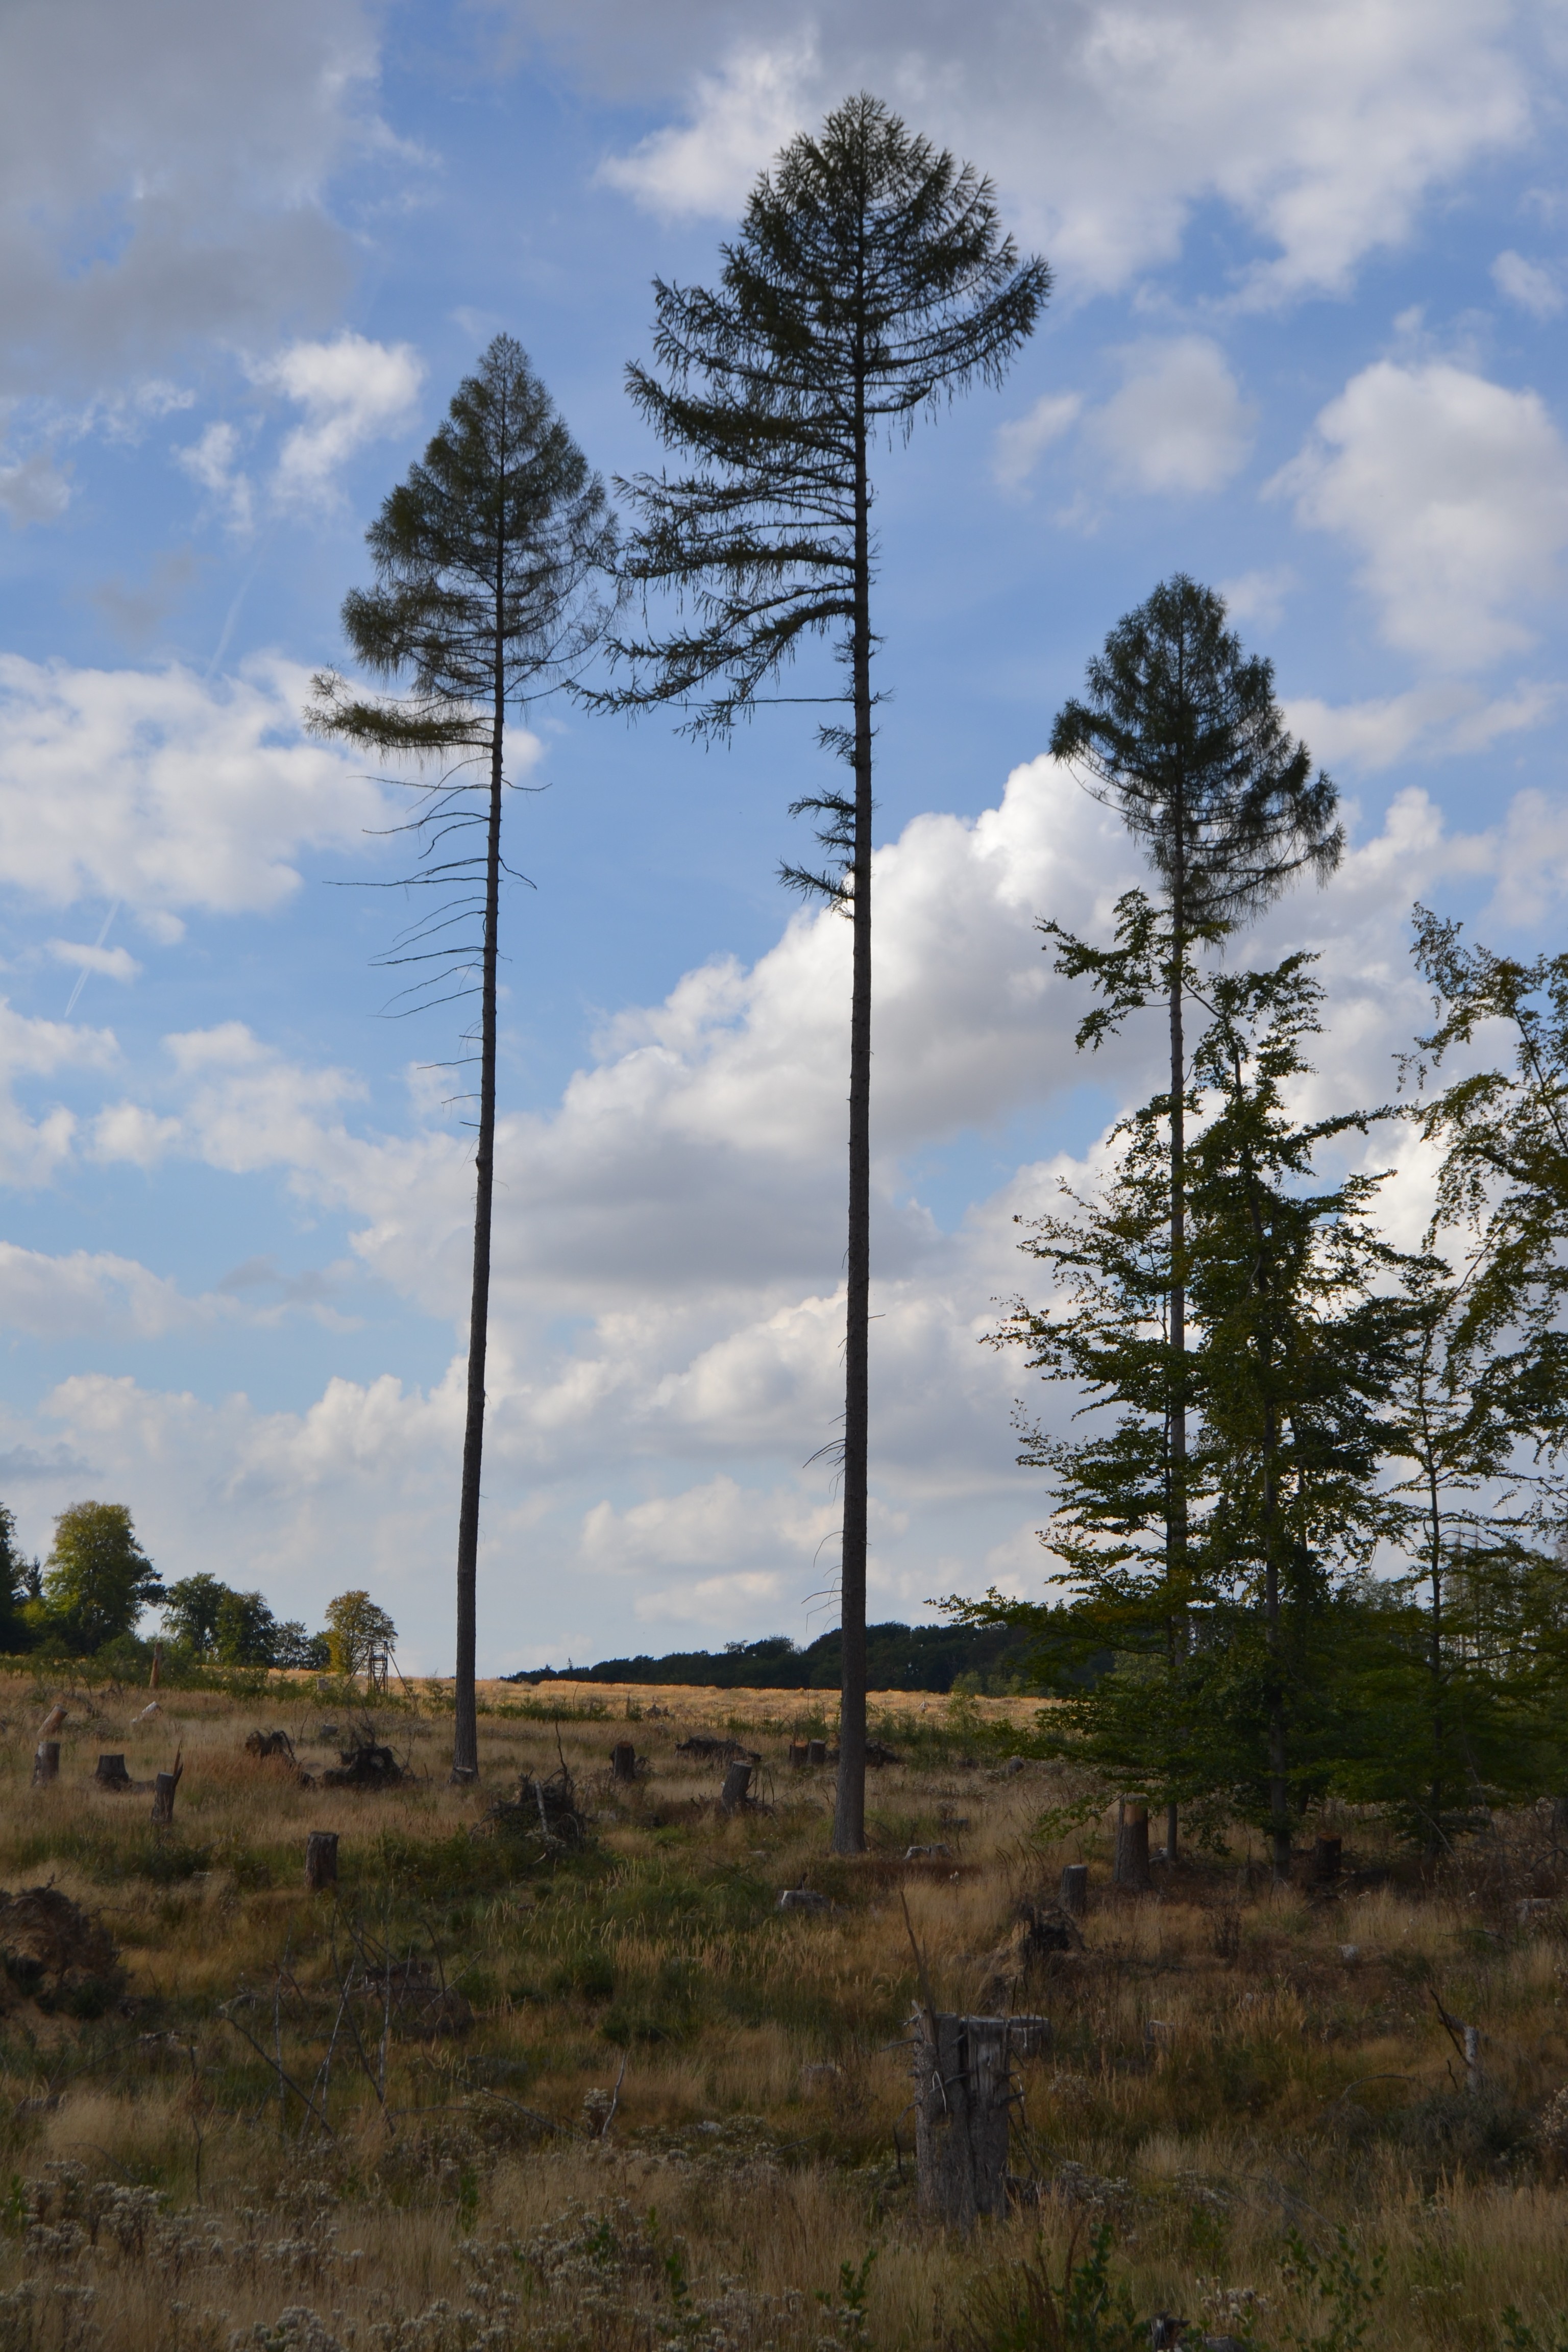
point(496, 2094)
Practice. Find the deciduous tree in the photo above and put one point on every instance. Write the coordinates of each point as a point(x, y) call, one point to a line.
point(96, 1578)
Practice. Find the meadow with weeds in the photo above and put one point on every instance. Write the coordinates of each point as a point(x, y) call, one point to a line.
point(588, 2085)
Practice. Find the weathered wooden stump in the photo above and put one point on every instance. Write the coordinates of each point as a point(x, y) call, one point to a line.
point(1132, 1847)
point(737, 1781)
point(111, 1772)
point(320, 1860)
point(163, 1787)
point(963, 2103)
point(54, 1721)
point(1073, 1895)
point(798, 1753)
point(816, 1751)
point(46, 1762)
point(622, 1761)
point(1326, 1855)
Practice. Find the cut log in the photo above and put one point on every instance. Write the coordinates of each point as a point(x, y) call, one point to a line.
point(46, 1762)
point(963, 2103)
point(320, 1860)
point(111, 1772)
point(1073, 1896)
point(816, 1751)
point(1133, 1847)
point(737, 1781)
point(1326, 1855)
point(622, 1761)
point(164, 1787)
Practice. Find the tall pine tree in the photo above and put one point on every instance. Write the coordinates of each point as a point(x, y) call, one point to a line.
point(870, 282)
point(486, 559)
point(1179, 732)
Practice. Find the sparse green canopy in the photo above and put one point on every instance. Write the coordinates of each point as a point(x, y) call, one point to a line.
point(482, 556)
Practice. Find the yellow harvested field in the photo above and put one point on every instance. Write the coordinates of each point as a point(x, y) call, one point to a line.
point(695, 1702)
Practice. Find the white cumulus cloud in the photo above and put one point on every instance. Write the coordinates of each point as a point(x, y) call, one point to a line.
point(1179, 423)
point(352, 391)
point(1454, 491)
point(172, 793)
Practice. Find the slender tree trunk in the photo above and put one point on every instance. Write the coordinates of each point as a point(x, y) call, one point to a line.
point(1176, 1522)
point(849, 1810)
point(1278, 1780)
point(1434, 1827)
point(466, 1729)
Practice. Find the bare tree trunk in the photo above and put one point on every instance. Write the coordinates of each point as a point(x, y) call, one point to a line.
point(1176, 1512)
point(849, 1808)
point(466, 1729)
point(1278, 1780)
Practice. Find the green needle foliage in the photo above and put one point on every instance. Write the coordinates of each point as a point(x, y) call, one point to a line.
point(486, 560)
point(1304, 1326)
point(869, 282)
point(1179, 732)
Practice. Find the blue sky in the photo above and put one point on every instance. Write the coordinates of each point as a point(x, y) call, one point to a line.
point(1306, 343)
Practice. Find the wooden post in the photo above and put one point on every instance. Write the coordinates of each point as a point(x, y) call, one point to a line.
point(622, 1761)
point(111, 1772)
point(1472, 2057)
point(733, 1795)
point(1132, 1846)
point(320, 1860)
point(46, 1762)
point(964, 2102)
point(157, 1662)
point(1073, 1896)
point(1326, 1854)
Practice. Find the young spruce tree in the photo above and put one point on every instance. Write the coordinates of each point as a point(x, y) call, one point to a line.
point(869, 282)
point(1179, 732)
point(486, 557)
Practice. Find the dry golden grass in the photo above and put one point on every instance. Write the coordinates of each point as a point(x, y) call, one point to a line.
point(1225, 2069)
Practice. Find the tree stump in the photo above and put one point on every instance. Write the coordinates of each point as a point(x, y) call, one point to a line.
point(1326, 1861)
point(163, 1787)
point(622, 1761)
point(1133, 1847)
point(737, 1781)
point(798, 1753)
point(54, 1721)
point(46, 1762)
point(963, 2102)
point(320, 1860)
point(816, 1751)
point(1073, 1895)
point(111, 1772)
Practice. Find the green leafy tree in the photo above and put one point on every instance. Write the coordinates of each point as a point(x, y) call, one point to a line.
point(1304, 1323)
point(245, 1634)
point(1105, 1336)
point(96, 1580)
point(191, 1611)
point(1180, 734)
point(870, 282)
point(486, 559)
point(294, 1647)
point(357, 1631)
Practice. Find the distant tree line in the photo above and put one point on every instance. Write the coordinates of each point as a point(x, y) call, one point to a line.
point(990, 1658)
